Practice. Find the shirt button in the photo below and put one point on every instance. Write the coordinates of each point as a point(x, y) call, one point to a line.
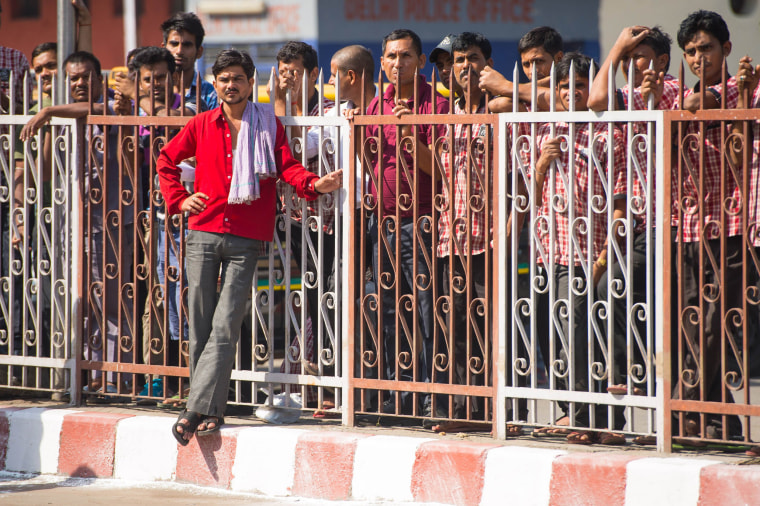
point(229, 177)
point(228, 135)
point(228, 155)
point(226, 219)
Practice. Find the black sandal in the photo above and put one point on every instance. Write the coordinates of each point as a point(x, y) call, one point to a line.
point(218, 421)
point(193, 419)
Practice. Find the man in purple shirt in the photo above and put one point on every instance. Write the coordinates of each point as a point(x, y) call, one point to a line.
point(403, 188)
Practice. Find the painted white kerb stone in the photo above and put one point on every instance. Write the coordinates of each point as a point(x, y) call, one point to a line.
point(518, 475)
point(35, 439)
point(673, 481)
point(145, 449)
point(383, 468)
point(265, 460)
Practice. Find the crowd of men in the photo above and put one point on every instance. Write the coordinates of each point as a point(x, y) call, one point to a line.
point(241, 171)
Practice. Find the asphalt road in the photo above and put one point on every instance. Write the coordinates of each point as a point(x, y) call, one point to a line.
point(35, 490)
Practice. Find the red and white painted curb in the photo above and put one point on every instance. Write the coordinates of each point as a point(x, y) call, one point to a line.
point(343, 465)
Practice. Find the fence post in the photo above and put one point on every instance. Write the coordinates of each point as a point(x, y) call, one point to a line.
point(76, 255)
point(664, 310)
point(500, 293)
point(348, 267)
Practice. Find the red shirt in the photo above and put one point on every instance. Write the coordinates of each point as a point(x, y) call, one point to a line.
point(391, 166)
point(207, 137)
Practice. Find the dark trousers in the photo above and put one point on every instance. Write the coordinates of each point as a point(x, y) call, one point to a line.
point(402, 276)
point(686, 376)
point(561, 335)
point(309, 285)
point(464, 315)
point(612, 283)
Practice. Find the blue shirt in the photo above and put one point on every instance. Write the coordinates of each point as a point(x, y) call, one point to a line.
point(208, 94)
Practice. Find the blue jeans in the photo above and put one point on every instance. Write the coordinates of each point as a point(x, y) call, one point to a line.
point(173, 295)
point(410, 273)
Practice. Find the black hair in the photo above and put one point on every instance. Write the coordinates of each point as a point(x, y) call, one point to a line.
point(545, 37)
point(293, 50)
point(404, 33)
point(702, 21)
point(151, 55)
point(660, 43)
point(84, 57)
point(470, 39)
point(184, 22)
point(580, 62)
point(231, 58)
point(44, 48)
point(133, 52)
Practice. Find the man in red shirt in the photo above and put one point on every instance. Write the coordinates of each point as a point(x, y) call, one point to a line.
point(404, 202)
point(225, 236)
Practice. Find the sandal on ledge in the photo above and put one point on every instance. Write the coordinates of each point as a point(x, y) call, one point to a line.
point(191, 421)
point(217, 422)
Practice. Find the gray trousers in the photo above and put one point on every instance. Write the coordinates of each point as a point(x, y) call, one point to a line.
point(215, 323)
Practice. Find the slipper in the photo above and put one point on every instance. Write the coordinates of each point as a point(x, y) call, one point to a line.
point(623, 390)
point(556, 430)
point(193, 419)
point(682, 443)
point(322, 413)
point(174, 402)
point(462, 426)
point(611, 439)
point(100, 398)
point(583, 437)
point(645, 440)
point(218, 421)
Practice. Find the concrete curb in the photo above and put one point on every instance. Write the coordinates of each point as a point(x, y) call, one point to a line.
point(342, 465)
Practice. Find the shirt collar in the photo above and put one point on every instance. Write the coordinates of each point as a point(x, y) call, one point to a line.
point(424, 91)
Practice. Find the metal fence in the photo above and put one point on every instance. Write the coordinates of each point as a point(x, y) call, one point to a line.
point(468, 295)
point(40, 253)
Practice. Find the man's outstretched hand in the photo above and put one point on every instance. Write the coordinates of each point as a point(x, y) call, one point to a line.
point(329, 182)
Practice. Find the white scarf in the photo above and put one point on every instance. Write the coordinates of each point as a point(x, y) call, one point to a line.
point(255, 153)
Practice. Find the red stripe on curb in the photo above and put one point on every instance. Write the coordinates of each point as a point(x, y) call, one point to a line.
point(87, 444)
point(589, 478)
point(5, 430)
point(325, 465)
point(207, 460)
point(728, 485)
point(449, 472)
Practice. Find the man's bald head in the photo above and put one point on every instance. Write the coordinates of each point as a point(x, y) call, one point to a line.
point(357, 58)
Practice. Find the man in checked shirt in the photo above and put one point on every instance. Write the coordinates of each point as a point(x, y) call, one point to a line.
point(644, 47)
point(572, 244)
point(464, 227)
point(294, 59)
point(705, 40)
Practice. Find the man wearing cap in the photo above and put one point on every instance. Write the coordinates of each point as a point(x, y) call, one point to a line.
point(443, 61)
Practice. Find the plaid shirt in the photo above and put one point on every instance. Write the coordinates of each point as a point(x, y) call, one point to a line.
point(639, 197)
point(687, 208)
point(326, 202)
point(585, 192)
point(466, 220)
point(13, 60)
point(754, 173)
point(668, 101)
